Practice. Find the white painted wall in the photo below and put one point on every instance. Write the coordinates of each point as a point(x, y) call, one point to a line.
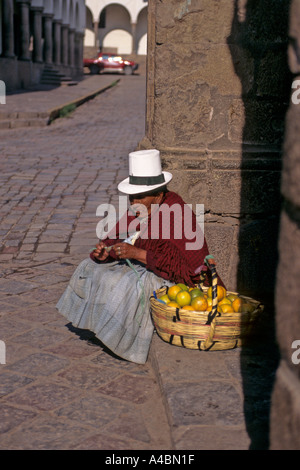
point(118, 31)
point(120, 40)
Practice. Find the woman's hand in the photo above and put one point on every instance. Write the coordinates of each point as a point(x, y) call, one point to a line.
point(125, 250)
point(100, 253)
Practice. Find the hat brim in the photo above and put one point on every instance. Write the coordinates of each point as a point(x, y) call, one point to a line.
point(127, 188)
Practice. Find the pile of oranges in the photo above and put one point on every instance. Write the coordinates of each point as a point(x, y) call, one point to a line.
point(194, 299)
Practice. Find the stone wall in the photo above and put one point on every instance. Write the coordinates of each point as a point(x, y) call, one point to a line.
point(217, 93)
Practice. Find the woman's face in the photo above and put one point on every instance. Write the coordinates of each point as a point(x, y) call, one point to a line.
point(142, 204)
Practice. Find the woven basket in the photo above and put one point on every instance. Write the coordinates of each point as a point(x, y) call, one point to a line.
point(206, 331)
point(198, 330)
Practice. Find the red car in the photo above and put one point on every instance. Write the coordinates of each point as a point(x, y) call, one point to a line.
point(110, 63)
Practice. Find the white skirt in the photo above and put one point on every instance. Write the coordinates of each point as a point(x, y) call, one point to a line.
point(112, 300)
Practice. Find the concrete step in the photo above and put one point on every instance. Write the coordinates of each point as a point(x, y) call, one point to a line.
point(50, 80)
point(58, 82)
point(23, 115)
point(55, 74)
point(20, 123)
point(69, 83)
point(20, 119)
point(52, 76)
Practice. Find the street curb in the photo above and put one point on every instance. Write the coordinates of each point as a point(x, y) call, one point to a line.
point(153, 359)
point(55, 113)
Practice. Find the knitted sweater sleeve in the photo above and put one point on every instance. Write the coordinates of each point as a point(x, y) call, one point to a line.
point(171, 264)
point(168, 262)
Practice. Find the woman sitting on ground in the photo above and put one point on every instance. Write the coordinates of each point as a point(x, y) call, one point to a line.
point(109, 292)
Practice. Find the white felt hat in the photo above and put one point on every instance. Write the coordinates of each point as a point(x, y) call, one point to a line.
point(145, 173)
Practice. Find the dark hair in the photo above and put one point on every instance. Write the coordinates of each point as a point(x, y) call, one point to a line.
point(154, 192)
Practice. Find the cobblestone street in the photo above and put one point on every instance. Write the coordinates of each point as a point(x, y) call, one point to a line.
point(59, 388)
point(55, 177)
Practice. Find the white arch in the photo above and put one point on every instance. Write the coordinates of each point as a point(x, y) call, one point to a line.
point(134, 23)
point(118, 39)
point(89, 19)
point(138, 7)
point(133, 7)
point(141, 32)
point(142, 45)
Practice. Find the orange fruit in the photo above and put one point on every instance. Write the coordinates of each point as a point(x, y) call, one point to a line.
point(188, 307)
point(164, 298)
point(183, 298)
point(224, 301)
point(173, 291)
point(183, 286)
point(173, 304)
point(225, 308)
point(199, 304)
point(232, 297)
point(221, 292)
point(237, 304)
point(196, 292)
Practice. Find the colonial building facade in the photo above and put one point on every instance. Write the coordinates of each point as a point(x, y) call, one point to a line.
point(39, 34)
point(118, 26)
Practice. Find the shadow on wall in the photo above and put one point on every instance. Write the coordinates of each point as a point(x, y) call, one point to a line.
point(258, 45)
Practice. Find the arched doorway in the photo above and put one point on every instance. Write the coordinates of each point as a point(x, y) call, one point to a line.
point(141, 32)
point(117, 41)
point(114, 32)
point(142, 45)
point(89, 39)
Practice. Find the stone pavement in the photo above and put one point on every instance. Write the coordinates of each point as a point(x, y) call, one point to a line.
point(44, 103)
point(59, 387)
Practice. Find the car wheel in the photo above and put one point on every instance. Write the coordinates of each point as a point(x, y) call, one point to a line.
point(94, 69)
point(128, 70)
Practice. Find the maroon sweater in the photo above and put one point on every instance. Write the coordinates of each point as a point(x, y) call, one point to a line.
point(168, 255)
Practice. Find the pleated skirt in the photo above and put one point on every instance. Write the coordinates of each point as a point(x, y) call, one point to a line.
point(112, 300)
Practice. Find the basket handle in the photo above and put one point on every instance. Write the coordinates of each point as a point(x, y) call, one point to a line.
point(210, 262)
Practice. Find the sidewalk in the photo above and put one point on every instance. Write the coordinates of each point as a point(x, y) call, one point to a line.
point(39, 106)
point(60, 389)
